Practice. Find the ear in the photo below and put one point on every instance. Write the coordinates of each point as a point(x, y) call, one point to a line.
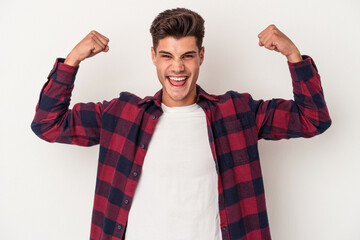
point(202, 55)
point(153, 55)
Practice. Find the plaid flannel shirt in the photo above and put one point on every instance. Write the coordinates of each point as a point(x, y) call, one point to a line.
point(123, 127)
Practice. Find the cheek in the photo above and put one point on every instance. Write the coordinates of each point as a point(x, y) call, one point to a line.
point(192, 67)
point(161, 72)
point(195, 71)
point(162, 68)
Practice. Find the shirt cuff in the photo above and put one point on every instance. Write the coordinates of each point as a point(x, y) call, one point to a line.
point(62, 73)
point(303, 70)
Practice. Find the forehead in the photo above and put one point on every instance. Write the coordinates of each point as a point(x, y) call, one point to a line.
point(177, 46)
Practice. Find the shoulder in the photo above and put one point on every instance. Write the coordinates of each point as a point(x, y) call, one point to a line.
point(222, 97)
point(239, 102)
point(233, 96)
point(125, 100)
point(129, 98)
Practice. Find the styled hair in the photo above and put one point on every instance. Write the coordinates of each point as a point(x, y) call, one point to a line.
point(177, 23)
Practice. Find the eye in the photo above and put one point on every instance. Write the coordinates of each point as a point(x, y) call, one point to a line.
point(166, 56)
point(188, 56)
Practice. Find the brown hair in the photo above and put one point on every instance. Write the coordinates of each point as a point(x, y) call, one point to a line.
point(177, 23)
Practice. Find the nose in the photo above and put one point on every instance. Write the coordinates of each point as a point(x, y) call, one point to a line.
point(178, 66)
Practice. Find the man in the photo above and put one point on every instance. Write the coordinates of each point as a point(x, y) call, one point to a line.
point(196, 152)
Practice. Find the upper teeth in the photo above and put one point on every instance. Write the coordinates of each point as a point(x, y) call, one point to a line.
point(177, 78)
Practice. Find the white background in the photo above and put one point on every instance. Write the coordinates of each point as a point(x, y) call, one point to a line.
point(312, 185)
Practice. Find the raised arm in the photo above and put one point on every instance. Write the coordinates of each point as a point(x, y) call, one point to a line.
point(91, 45)
point(305, 116)
point(54, 121)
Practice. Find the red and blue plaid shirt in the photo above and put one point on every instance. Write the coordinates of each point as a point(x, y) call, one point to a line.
point(123, 127)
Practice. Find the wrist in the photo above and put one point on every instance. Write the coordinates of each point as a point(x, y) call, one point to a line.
point(72, 61)
point(294, 57)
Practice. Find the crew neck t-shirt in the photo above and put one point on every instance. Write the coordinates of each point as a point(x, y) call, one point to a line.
point(177, 194)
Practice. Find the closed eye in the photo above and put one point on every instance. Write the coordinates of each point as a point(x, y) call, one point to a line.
point(188, 56)
point(166, 56)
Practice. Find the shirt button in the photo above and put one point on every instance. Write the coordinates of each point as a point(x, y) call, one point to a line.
point(119, 226)
point(126, 201)
point(224, 228)
point(135, 174)
point(153, 117)
point(142, 146)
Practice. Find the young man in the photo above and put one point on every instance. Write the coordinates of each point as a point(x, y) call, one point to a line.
point(182, 164)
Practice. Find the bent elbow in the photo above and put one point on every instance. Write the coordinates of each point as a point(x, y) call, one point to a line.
point(323, 126)
point(38, 129)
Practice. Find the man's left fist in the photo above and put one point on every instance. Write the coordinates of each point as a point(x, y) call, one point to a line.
point(273, 39)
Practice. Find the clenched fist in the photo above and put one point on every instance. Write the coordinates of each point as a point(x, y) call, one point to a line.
point(91, 45)
point(272, 38)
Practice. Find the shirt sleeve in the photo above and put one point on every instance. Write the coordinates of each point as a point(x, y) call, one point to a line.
point(305, 116)
point(55, 122)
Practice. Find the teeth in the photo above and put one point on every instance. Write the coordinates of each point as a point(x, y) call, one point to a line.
point(177, 79)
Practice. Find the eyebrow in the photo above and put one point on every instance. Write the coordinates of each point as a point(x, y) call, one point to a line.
point(189, 52)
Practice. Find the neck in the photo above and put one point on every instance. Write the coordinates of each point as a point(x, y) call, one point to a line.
point(169, 102)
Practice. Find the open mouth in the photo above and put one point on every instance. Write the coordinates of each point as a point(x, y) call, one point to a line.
point(177, 81)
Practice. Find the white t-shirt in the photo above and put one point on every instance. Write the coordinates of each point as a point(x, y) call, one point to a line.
point(177, 194)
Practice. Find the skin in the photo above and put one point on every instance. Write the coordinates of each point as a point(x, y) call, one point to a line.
point(91, 45)
point(180, 58)
point(273, 39)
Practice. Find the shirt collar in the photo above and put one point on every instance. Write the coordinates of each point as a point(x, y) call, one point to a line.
point(199, 93)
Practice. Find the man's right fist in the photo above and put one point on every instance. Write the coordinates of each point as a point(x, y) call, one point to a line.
point(91, 45)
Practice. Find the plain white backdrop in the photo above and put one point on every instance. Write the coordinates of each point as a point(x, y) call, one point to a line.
point(311, 185)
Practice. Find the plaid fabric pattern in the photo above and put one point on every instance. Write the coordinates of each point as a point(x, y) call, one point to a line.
point(123, 127)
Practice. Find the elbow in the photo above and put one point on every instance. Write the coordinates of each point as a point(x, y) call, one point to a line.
point(317, 129)
point(323, 126)
point(323, 122)
point(38, 129)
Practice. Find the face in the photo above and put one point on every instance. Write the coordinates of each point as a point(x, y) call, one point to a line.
point(177, 63)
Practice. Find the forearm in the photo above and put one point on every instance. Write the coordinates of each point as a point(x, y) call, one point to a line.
point(295, 56)
point(305, 116)
point(309, 95)
point(54, 101)
point(55, 122)
point(71, 61)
